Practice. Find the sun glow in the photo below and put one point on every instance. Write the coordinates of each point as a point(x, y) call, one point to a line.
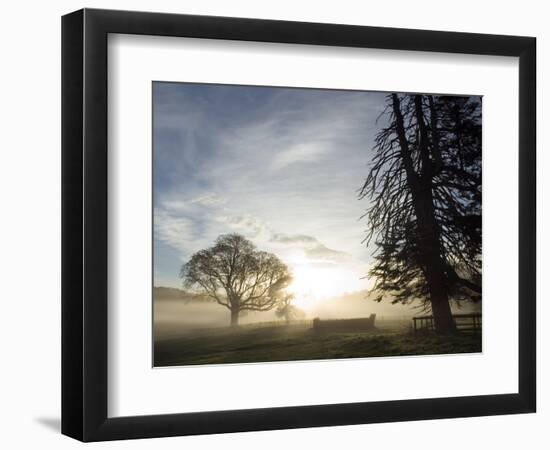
point(316, 281)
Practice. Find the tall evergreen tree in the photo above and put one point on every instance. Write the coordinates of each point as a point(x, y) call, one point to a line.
point(424, 216)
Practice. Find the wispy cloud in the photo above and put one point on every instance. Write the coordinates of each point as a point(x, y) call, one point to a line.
point(299, 153)
point(249, 225)
point(281, 166)
point(312, 248)
point(294, 239)
point(209, 199)
point(175, 230)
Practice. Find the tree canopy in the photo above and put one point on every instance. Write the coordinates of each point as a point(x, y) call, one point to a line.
point(424, 188)
point(287, 311)
point(236, 275)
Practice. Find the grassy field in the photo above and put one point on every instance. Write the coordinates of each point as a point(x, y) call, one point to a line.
point(294, 342)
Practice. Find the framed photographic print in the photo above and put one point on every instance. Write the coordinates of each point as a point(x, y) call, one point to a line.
point(273, 224)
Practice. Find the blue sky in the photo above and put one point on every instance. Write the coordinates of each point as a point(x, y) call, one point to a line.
point(281, 166)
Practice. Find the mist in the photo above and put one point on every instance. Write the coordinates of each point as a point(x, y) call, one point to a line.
point(177, 313)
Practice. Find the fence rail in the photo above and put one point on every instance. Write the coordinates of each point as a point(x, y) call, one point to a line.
point(464, 322)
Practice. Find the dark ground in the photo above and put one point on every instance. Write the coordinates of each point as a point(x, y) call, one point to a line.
point(273, 342)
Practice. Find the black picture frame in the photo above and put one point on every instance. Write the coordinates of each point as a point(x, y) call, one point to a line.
point(84, 224)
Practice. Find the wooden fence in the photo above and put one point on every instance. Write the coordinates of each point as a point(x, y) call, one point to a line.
point(464, 322)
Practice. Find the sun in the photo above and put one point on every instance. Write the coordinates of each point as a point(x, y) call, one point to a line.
point(314, 281)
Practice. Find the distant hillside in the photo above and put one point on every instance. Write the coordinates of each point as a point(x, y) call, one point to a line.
point(167, 293)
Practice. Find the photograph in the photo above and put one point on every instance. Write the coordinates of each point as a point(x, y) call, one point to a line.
point(298, 224)
point(267, 225)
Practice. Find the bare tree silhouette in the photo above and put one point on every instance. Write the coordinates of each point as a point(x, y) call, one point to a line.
point(424, 187)
point(237, 276)
point(287, 311)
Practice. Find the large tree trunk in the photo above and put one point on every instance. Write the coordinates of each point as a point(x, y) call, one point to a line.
point(427, 237)
point(432, 262)
point(439, 297)
point(234, 317)
point(443, 318)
